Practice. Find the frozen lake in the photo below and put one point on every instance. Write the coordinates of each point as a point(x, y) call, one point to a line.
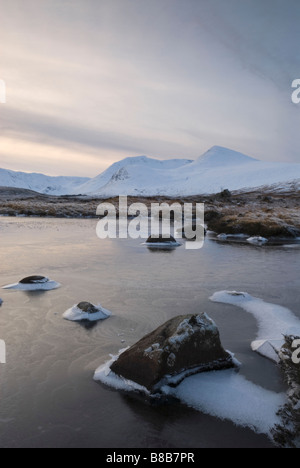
point(47, 394)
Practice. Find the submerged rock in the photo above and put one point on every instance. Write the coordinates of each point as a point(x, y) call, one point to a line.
point(183, 346)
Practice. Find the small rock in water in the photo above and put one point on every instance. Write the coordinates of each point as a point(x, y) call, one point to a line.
point(257, 240)
point(222, 236)
point(34, 283)
point(160, 240)
point(34, 280)
point(88, 308)
point(86, 311)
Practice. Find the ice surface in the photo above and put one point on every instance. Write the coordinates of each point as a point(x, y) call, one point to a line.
point(274, 321)
point(228, 395)
point(222, 394)
point(48, 286)
point(75, 314)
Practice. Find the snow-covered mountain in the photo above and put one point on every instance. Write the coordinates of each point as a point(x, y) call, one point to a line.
point(141, 168)
point(218, 169)
point(41, 183)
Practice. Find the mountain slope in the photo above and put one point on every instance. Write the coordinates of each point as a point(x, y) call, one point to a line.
point(217, 169)
point(41, 183)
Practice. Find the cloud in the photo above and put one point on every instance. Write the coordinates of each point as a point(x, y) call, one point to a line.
point(106, 80)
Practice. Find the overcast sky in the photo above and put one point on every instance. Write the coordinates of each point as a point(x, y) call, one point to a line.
point(90, 82)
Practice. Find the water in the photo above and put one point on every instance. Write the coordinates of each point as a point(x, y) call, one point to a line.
point(47, 394)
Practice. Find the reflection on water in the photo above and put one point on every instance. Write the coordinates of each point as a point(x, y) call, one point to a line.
point(47, 394)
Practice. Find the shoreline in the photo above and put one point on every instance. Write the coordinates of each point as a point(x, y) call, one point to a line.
point(259, 212)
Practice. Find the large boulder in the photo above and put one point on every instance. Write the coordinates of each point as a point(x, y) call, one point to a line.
point(184, 345)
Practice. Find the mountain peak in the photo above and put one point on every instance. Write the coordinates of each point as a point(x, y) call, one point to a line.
point(220, 156)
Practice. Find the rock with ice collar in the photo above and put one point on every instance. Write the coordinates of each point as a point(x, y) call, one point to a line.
point(86, 311)
point(183, 346)
point(34, 283)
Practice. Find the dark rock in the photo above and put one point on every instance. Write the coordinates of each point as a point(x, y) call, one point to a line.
point(88, 308)
point(269, 228)
point(225, 195)
point(209, 215)
point(160, 239)
point(188, 343)
point(34, 280)
point(287, 433)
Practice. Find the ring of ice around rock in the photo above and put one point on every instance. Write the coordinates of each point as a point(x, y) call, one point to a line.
point(274, 321)
point(223, 394)
point(42, 285)
point(75, 314)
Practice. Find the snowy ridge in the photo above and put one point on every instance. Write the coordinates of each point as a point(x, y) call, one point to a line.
point(218, 169)
point(40, 182)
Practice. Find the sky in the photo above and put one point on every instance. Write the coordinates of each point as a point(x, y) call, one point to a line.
point(89, 82)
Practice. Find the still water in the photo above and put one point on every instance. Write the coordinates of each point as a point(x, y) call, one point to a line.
point(47, 394)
